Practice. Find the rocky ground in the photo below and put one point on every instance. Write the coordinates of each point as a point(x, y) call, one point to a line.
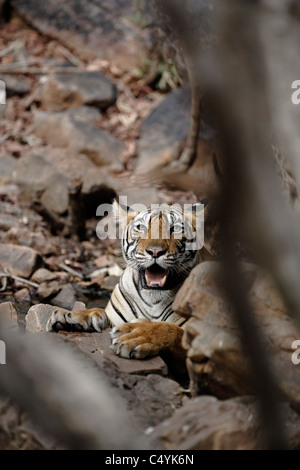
point(87, 119)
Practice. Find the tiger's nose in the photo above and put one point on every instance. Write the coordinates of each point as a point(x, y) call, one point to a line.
point(156, 252)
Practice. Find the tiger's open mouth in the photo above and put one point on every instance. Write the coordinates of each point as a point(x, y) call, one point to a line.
point(155, 277)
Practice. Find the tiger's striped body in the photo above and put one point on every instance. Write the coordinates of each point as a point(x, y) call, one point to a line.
point(159, 251)
point(145, 232)
point(129, 303)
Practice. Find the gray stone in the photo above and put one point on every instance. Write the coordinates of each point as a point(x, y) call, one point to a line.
point(8, 314)
point(69, 90)
point(37, 317)
point(43, 275)
point(80, 137)
point(7, 165)
point(105, 29)
point(110, 282)
point(141, 195)
point(163, 131)
point(8, 221)
point(15, 86)
point(19, 260)
point(55, 198)
point(150, 397)
point(33, 172)
point(97, 345)
point(84, 113)
point(22, 295)
point(163, 134)
point(65, 298)
point(45, 176)
point(46, 290)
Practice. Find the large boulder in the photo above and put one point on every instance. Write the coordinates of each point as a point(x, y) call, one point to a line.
point(95, 29)
point(8, 314)
point(217, 361)
point(79, 136)
point(163, 134)
point(45, 176)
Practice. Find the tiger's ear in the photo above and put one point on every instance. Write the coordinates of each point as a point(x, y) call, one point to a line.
point(123, 214)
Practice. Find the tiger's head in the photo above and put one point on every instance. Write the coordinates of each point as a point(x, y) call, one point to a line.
point(161, 243)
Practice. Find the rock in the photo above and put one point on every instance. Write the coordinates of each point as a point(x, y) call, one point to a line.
point(19, 260)
point(112, 270)
point(7, 164)
point(37, 317)
point(206, 423)
point(15, 86)
point(47, 290)
point(216, 359)
point(97, 345)
point(110, 282)
point(37, 239)
point(33, 172)
point(9, 314)
point(80, 137)
point(23, 295)
point(8, 221)
point(55, 198)
point(163, 131)
point(65, 298)
point(141, 195)
point(150, 397)
point(93, 30)
point(84, 114)
point(43, 275)
point(162, 137)
point(64, 91)
point(38, 174)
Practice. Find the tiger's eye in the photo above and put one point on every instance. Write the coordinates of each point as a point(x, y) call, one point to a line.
point(177, 228)
point(140, 228)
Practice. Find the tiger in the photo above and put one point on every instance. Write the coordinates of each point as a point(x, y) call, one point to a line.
point(159, 250)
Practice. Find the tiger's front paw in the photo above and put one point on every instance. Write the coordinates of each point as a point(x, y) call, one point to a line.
point(94, 319)
point(142, 339)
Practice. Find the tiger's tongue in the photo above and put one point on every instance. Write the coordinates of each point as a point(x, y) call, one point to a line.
point(156, 278)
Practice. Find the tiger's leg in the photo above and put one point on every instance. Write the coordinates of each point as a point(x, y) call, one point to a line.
point(94, 319)
point(144, 338)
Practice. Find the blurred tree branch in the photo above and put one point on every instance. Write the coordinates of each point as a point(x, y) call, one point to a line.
point(65, 394)
point(241, 90)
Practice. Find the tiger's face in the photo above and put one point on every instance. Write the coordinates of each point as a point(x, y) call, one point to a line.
point(160, 244)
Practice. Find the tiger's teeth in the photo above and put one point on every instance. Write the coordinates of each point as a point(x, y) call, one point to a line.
point(151, 283)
